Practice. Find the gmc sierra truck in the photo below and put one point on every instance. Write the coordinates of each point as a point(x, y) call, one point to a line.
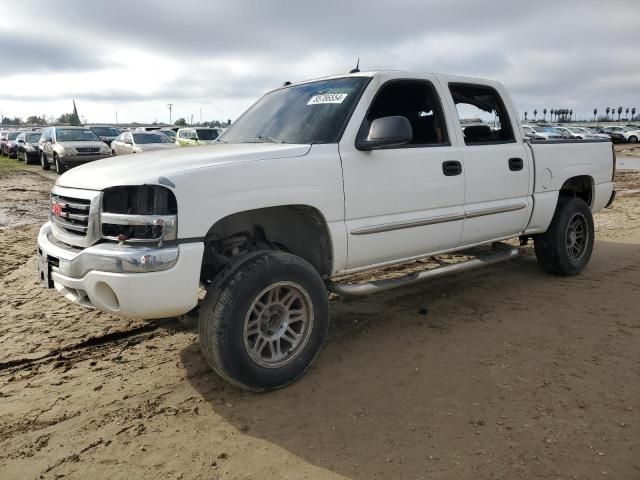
point(315, 181)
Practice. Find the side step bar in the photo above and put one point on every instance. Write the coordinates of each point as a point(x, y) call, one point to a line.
point(357, 289)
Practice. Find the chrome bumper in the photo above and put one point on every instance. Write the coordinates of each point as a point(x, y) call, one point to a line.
point(105, 257)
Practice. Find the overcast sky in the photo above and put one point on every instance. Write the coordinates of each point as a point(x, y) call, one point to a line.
point(135, 56)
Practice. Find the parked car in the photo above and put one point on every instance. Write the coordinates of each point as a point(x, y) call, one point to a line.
point(545, 133)
point(305, 187)
point(169, 132)
point(136, 142)
point(106, 133)
point(66, 147)
point(189, 137)
point(616, 137)
point(8, 143)
point(591, 133)
point(575, 132)
point(27, 147)
point(630, 135)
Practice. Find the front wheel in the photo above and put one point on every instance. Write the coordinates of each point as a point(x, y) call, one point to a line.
point(264, 321)
point(633, 139)
point(60, 167)
point(44, 163)
point(566, 247)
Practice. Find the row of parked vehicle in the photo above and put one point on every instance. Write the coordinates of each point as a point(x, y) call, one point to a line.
point(616, 133)
point(64, 147)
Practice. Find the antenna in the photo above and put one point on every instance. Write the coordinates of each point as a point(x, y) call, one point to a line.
point(286, 84)
point(357, 69)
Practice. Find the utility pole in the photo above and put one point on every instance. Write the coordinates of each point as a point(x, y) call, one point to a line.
point(116, 117)
point(200, 115)
point(170, 105)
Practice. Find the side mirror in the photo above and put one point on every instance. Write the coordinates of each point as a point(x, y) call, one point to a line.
point(20, 141)
point(387, 132)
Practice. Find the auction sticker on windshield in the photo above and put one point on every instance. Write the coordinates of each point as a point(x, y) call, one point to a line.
point(327, 98)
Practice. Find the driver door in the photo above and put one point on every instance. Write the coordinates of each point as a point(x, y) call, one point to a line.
point(406, 201)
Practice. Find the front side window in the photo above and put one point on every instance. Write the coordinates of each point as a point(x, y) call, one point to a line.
point(76, 135)
point(12, 135)
point(482, 113)
point(418, 102)
point(314, 112)
point(32, 137)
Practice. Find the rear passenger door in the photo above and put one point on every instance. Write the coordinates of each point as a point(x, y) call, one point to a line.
point(497, 166)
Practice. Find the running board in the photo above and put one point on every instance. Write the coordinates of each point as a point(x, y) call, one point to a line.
point(357, 289)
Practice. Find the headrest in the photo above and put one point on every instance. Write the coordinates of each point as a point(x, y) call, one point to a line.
point(477, 132)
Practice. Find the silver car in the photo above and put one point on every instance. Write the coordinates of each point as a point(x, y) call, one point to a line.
point(135, 142)
point(537, 132)
point(66, 147)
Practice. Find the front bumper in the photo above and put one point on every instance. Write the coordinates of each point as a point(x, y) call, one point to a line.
point(130, 281)
point(73, 160)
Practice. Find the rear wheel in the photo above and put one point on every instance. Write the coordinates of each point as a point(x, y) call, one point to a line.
point(264, 321)
point(44, 163)
point(566, 247)
point(633, 139)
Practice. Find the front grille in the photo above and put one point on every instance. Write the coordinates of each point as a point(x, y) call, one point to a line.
point(71, 214)
point(87, 149)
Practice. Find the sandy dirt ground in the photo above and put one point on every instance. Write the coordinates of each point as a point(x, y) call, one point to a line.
point(505, 373)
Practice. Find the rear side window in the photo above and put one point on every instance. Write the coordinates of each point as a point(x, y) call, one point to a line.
point(418, 101)
point(482, 113)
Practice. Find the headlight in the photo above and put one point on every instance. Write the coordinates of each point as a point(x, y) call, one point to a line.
point(29, 148)
point(139, 214)
point(67, 151)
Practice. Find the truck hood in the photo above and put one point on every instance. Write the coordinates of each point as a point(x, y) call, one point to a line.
point(149, 168)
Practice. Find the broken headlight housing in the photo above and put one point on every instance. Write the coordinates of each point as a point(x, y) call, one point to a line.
point(146, 213)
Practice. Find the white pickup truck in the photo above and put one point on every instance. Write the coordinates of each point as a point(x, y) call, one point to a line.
point(316, 180)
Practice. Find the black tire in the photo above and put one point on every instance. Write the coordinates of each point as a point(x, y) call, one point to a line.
point(44, 163)
point(60, 167)
point(561, 249)
point(228, 307)
point(633, 139)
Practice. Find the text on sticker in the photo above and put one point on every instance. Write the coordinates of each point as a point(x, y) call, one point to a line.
point(327, 98)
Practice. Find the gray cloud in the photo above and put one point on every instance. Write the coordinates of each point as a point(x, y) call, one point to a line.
point(22, 53)
point(577, 54)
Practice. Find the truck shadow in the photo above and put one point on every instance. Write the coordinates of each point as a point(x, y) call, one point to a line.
point(426, 379)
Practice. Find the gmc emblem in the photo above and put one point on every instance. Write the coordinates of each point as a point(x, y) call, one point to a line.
point(56, 209)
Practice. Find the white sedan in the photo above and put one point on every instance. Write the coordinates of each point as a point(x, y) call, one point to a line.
point(135, 142)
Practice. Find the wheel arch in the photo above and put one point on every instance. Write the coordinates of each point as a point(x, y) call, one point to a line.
point(580, 186)
point(299, 229)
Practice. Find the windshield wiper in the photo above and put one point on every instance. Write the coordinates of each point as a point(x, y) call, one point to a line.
point(269, 139)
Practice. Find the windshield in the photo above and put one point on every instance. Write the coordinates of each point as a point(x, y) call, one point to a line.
point(539, 129)
point(169, 133)
point(144, 138)
point(13, 135)
point(314, 112)
point(75, 135)
point(204, 134)
point(33, 137)
point(106, 131)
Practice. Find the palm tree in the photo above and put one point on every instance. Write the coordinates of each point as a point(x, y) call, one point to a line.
point(595, 114)
point(552, 112)
point(525, 116)
point(608, 110)
point(627, 114)
point(544, 115)
point(570, 114)
point(633, 112)
point(619, 112)
point(535, 113)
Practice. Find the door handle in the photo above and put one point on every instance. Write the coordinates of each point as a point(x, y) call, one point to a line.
point(516, 164)
point(451, 168)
